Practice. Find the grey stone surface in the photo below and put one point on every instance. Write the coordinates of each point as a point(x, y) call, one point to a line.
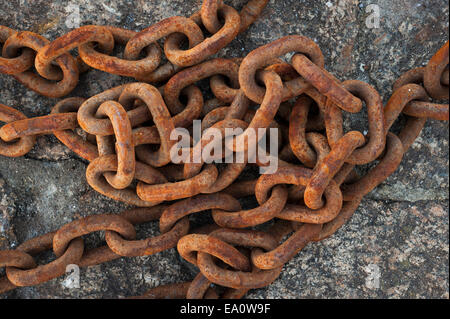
point(402, 226)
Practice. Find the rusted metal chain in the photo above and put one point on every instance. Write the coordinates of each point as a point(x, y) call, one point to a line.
point(96, 43)
point(127, 140)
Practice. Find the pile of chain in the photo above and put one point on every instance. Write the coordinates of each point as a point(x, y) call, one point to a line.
point(125, 131)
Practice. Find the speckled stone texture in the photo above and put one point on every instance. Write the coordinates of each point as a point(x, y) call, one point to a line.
point(401, 227)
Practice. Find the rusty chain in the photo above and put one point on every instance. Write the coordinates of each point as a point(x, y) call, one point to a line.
point(127, 143)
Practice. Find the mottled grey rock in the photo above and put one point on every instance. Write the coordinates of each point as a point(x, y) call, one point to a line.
point(401, 227)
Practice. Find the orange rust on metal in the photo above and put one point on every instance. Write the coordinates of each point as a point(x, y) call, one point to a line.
point(16, 63)
point(377, 139)
point(43, 273)
point(196, 204)
point(178, 190)
point(265, 113)
point(43, 83)
point(38, 126)
point(147, 246)
point(208, 46)
point(326, 83)
point(201, 71)
point(69, 138)
point(170, 291)
point(297, 175)
point(259, 57)
point(256, 216)
point(433, 74)
point(248, 15)
point(123, 144)
point(330, 165)
point(284, 252)
point(143, 172)
point(399, 99)
point(387, 165)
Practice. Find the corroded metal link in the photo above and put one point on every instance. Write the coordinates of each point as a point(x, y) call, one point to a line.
point(14, 64)
point(413, 76)
point(258, 58)
point(160, 115)
point(329, 167)
point(211, 105)
point(143, 172)
point(283, 253)
point(190, 245)
point(43, 273)
point(21, 258)
point(297, 175)
point(433, 73)
point(126, 95)
point(320, 145)
point(399, 99)
point(387, 165)
point(232, 171)
point(334, 123)
point(178, 190)
point(24, 144)
point(88, 225)
point(6, 285)
point(124, 147)
point(64, 44)
point(250, 13)
point(431, 110)
point(238, 107)
point(345, 214)
point(241, 189)
point(256, 216)
point(264, 115)
point(14, 258)
point(171, 291)
point(422, 109)
point(240, 279)
point(207, 47)
point(38, 126)
point(326, 84)
point(150, 135)
point(66, 74)
point(87, 110)
point(297, 132)
point(321, 149)
point(137, 69)
point(198, 287)
point(305, 203)
point(158, 31)
point(69, 138)
point(199, 48)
